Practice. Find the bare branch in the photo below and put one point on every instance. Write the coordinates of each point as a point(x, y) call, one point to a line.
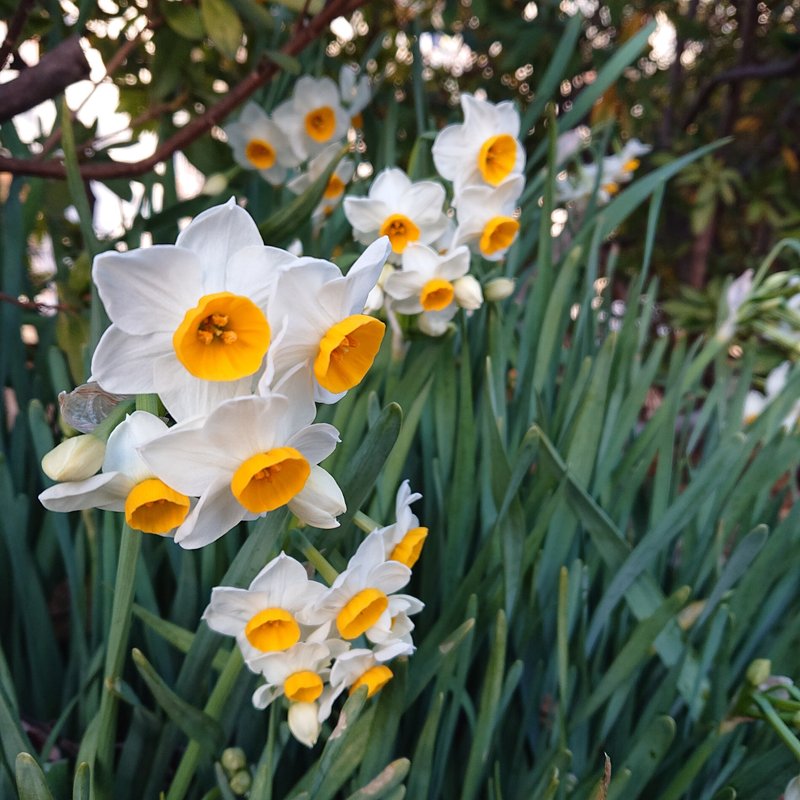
point(198, 126)
point(63, 65)
point(14, 30)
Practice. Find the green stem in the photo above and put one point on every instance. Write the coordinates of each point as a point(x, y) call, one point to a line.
point(117, 645)
point(367, 524)
point(778, 725)
point(321, 564)
point(214, 708)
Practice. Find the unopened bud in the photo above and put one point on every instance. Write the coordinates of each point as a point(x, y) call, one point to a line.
point(433, 325)
point(75, 459)
point(469, 294)
point(758, 671)
point(303, 723)
point(500, 289)
point(233, 760)
point(215, 184)
point(240, 782)
point(792, 791)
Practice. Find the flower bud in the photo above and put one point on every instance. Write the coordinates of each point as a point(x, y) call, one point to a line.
point(432, 325)
point(500, 289)
point(233, 760)
point(215, 184)
point(240, 783)
point(469, 294)
point(758, 671)
point(74, 459)
point(792, 791)
point(303, 723)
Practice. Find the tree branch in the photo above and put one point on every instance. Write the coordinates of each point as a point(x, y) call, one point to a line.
point(63, 65)
point(198, 126)
point(14, 30)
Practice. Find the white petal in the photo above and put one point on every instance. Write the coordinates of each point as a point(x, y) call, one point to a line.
point(278, 576)
point(123, 364)
point(390, 577)
point(122, 449)
point(366, 215)
point(230, 610)
point(320, 501)
point(148, 290)
point(265, 695)
point(316, 442)
point(423, 203)
point(215, 514)
point(106, 490)
point(450, 151)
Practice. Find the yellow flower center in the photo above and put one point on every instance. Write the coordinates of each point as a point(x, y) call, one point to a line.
point(357, 121)
point(272, 629)
point(497, 157)
point(611, 188)
point(321, 123)
point(223, 338)
point(269, 480)
point(346, 352)
point(498, 234)
point(303, 687)
point(152, 507)
point(436, 294)
point(374, 679)
point(631, 165)
point(259, 153)
point(361, 613)
point(334, 188)
point(407, 551)
point(400, 230)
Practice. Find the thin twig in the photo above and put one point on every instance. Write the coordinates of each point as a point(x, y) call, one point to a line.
point(14, 30)
point(32, 305)
point(198, 126)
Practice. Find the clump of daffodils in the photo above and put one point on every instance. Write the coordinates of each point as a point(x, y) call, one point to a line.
point(433, 247)
point(311, 643)
point(239, 341)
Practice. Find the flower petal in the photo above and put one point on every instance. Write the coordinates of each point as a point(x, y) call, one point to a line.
point(215, 514)
point(320, 501)
point(107, 490)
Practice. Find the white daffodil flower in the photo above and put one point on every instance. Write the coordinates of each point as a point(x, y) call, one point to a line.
point(619, 168)
point(427, 281)
point(403, 541)
point(259, 143)
point(325, 327)
point(126, 482)
point(755, 402)
point(352, 670)
point(360, 594)
point(251, 455)
point(395, 207)
point(484, 149)
point(313, 117)
point(189, 320)
point(298, 673)
point(392, 632)
point(355, 92)
point(270, 615)
point(486, 220)
point(337, 183)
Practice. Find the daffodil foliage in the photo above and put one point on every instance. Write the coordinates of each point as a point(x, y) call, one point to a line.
point(375, 481)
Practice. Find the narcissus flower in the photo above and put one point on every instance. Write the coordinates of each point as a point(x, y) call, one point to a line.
point(355, 91)
point(268, 616)
point(360, 594)
point(298, 673)
point(126, 482)
point(403, 541)
point(337, 183)
point(756, 402)
point(251, 455)
point(189, 320)
point(313, 117)
point(321, 310)
point(484, 149)
point(259, 143)
point(392, 632)
point(427, 280)
point(486, 220)
point(395, 207)
point(354, 669)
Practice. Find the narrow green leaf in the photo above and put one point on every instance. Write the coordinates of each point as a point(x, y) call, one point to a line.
point(385, 782)
point(81, 787)
point(31, 783)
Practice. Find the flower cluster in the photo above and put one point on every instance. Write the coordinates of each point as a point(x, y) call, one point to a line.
point(307, 128)
point(311, 643)
point(755, 402)
point(484, 160)
point(239, 341)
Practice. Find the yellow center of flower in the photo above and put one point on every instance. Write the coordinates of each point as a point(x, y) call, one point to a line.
point(497, 157)
point(223, 338)
point(321, 123)
point(400, 230)
point(357, 121)
point(272, 629)
point(631, 165)
point(259, 153)
point(374, 679)
point(361, 613)
point(407, 551)
point(498, 233)
point(269, 480)
point(334, 188)
point(436, 294)
point(152, 507)
point(346, 352)
point(611, 188)
point(303, 687)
